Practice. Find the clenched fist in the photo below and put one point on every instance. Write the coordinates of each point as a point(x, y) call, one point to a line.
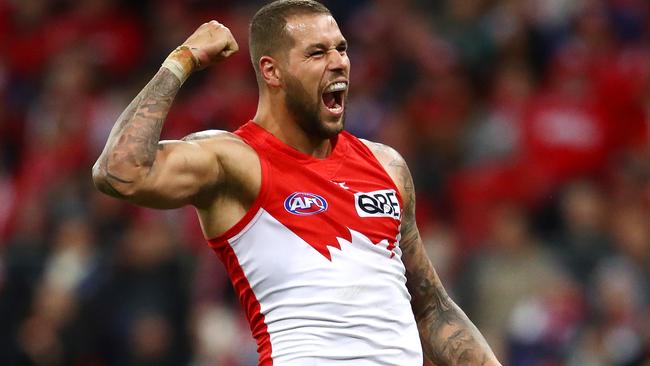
point(211, 43)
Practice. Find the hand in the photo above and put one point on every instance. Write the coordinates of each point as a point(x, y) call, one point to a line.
point(210, 43)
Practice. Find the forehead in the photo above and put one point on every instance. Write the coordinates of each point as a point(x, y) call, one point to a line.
point(313, 28)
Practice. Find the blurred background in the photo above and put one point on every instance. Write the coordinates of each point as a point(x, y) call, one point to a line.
point(526, 125)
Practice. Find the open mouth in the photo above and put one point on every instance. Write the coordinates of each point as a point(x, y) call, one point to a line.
point(333, 96)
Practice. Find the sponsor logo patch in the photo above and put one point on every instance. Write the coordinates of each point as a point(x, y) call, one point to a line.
point(304, 203)
point(382, 203)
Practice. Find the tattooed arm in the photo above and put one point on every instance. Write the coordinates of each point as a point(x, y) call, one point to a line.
point(135, 165)
point(448, 337)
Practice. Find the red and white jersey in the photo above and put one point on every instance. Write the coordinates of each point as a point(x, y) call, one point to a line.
point(316, 261)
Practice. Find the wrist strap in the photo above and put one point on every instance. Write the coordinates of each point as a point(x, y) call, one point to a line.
point(181, 62)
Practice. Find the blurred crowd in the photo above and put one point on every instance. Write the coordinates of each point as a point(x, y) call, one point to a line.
point(526, 125)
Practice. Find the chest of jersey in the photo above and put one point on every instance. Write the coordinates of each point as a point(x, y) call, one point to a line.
point(321, 201)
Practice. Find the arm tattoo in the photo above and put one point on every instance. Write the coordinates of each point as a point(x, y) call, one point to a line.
point(447, 335)
point(408, 228)
point(133, 142)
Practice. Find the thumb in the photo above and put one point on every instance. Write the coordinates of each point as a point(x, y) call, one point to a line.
point(227, 53)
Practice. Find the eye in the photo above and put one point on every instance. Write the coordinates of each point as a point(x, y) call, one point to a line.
point(317, 53)
point(342, 48)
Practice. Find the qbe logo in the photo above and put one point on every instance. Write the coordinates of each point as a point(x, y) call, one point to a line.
point(381, 203)
point(303, 204)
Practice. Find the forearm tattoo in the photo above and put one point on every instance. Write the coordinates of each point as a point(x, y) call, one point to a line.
point(133, 142)
point(448, 337)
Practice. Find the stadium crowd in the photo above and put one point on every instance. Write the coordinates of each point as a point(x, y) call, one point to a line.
point(526, 125)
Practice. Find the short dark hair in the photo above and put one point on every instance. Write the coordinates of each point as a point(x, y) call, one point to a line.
point(268, 34)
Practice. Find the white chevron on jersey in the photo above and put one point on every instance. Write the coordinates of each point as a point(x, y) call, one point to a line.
point(353, 308)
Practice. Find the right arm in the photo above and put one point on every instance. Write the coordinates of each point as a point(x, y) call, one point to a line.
point(448, 336)
point(135, 165)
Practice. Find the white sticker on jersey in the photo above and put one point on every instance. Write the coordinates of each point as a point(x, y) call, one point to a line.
point(381, 203)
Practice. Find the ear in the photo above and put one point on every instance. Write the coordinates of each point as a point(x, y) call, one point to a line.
point(270, 71)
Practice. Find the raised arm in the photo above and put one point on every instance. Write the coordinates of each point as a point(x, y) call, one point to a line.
point(448, 337)
point(135, 165)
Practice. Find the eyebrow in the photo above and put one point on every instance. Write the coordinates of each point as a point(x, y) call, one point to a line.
point(323, 46)
point(316, 45)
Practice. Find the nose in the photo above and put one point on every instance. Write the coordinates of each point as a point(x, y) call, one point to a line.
point(338, 60)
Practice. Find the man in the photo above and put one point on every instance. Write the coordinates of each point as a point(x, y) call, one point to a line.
point(315, 227)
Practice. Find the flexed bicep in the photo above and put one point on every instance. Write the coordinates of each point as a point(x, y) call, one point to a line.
point(178, 172)
point(181, 172)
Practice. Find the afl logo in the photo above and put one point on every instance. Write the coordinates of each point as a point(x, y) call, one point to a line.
point(303, 204)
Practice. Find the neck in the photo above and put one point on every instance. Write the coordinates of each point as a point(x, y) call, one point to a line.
point(276, 119)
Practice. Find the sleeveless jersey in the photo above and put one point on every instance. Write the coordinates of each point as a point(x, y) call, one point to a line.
point(316, 261)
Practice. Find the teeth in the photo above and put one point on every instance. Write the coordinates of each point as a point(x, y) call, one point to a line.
point(336, 87)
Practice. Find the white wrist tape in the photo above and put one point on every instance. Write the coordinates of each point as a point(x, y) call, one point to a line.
point(177, 69)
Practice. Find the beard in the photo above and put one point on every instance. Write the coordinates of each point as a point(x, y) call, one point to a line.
point(306, 110)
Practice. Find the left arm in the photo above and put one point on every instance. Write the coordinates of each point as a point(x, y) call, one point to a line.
point(448, 336)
